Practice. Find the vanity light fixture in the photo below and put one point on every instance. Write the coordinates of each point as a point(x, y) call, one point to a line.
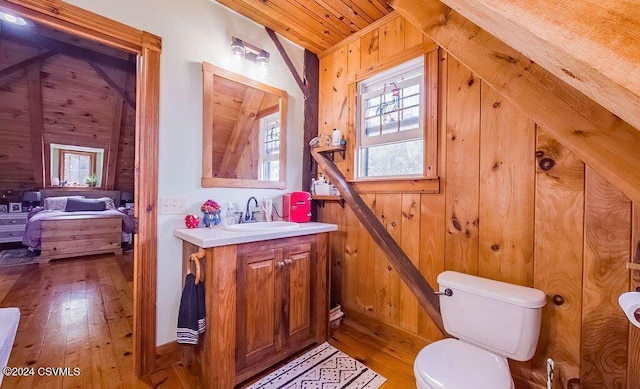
point(7, 17)
point(243, 51)
point(237, 48)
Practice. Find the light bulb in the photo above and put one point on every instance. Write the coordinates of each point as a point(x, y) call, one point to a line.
point(13, 19)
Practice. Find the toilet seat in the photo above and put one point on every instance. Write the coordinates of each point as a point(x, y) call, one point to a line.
point(454, 364)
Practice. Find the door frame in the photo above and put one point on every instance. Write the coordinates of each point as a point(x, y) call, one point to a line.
point(77, 21)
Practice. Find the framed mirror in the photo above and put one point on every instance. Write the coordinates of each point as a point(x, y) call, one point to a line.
point(244, 131)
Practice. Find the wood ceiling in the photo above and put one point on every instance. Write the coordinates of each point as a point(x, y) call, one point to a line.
point(313, 24)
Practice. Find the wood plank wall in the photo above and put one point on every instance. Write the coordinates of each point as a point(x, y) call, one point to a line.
point(564, 230)
point(77, 107)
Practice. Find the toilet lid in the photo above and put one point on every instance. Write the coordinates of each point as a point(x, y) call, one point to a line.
point(453, 364)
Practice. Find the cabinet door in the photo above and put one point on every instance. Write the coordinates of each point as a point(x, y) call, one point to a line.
point(299, 289)
point(259, 304)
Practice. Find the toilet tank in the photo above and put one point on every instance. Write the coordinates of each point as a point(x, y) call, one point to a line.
point(500, 317)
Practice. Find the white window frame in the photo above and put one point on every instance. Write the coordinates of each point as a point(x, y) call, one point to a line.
point(57, 150)
point(371, 87)
point(262, 132)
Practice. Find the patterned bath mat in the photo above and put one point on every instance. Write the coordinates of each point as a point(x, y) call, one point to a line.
point(323, 367)
point(15, 257)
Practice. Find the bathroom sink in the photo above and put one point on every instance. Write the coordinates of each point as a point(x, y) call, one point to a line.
point(262, 226)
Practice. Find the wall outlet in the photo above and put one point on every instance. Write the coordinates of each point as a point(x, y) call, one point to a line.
point(173, 206)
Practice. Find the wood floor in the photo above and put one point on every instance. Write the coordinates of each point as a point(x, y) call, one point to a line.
point(78, 313)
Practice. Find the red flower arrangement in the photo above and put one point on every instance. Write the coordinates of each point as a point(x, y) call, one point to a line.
point(210, 206)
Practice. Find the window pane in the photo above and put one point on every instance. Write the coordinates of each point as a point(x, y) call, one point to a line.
point(396, 159)
point(77, 167)
point(270, 171)
point(372, 127)
point(272, 142)
point(269, 165)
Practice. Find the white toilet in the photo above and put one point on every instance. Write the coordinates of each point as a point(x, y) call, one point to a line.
point(493, 321)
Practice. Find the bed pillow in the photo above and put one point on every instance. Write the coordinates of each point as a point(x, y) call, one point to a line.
point(77, 205)
point(58, 203)
point(108, 202)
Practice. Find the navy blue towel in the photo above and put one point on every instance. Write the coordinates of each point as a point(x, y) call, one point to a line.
point(191, 316)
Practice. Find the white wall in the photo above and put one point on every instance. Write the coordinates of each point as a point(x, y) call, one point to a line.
point(193, 31)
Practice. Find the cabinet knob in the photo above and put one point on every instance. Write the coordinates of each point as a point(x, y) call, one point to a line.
point(14, 221)
point(280, 265)
point(288, 262)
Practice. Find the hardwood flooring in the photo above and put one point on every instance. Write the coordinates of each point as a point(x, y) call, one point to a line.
point(78, 313)
point(74, 313)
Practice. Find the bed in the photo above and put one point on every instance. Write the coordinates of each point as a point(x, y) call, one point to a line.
point(63, 228)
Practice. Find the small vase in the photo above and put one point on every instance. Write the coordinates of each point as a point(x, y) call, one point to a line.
point(211, 219)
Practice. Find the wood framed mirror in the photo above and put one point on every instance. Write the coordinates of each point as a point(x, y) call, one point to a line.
point(244, 131)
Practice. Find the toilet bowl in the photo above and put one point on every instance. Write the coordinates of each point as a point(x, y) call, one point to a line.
point(454, 364)
point(492, 321)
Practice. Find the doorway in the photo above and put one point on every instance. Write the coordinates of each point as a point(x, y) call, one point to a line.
point(147, 48)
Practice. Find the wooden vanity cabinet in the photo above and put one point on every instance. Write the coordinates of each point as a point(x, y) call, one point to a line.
point(275, 302)
point(265, 302)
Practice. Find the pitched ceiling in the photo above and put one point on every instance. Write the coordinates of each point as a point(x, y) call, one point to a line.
point(315, 25)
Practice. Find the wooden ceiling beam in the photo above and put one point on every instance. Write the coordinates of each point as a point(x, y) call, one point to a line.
point(591, 45)
point(119, 89)
point(287, 60)
point(23, 64)
point(241, 131)
point(41, 42)
point(609, 145)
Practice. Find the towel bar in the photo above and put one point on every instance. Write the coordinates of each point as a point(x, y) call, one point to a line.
point(196, 257)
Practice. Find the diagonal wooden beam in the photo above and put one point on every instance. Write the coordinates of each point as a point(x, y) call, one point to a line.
point(111, 162)
point(23, 64)
point(599, 138)
point(287, 60)
point(408, 272)
point(41, 42)
point(120, 89)
point(591, 45)
point(241, 131)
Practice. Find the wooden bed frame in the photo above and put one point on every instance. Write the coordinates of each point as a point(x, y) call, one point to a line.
point(80, 235)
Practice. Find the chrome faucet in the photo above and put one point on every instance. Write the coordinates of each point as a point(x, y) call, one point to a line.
point(250, 216)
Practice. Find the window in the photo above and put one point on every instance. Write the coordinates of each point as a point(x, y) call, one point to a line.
point(270, 148)
point(76, 166)
point(71, 165)
point(391, 113)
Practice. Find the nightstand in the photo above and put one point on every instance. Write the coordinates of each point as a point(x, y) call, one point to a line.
point(12, 226)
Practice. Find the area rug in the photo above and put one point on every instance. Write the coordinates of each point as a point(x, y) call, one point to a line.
point(15, 257)
point(323, 367)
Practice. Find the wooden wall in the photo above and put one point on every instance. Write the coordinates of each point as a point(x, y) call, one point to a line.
point(78, 108)
point(499, 214)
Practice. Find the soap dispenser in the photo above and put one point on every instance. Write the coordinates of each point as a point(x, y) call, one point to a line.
point(230, 214)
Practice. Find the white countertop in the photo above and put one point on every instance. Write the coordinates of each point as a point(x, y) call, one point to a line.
point(218, 236)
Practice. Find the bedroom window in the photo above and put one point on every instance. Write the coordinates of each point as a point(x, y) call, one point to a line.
point(71, 165)
point(76, 167)
point(270, 148)
point(391, 122)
